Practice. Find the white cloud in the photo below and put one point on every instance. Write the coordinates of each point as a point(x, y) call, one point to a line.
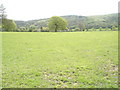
point(36, 9)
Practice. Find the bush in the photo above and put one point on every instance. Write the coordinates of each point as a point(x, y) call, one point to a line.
point(72, 30)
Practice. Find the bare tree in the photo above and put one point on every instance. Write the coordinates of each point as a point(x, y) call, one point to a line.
point(2, 12)
point(2, 16)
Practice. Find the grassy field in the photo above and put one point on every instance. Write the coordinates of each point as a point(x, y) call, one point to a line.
point(60, 59)
point(0, 60)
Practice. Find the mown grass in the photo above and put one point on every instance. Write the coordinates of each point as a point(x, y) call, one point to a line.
point(60, 59)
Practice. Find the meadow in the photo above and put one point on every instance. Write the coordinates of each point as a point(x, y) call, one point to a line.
point(60, 59)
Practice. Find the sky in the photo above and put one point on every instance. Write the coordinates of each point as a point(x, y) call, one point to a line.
point(39, 9)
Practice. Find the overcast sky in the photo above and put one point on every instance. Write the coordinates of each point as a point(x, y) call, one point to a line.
point(37, 9)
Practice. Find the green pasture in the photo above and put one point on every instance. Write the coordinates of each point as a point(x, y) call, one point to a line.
point(60, 59)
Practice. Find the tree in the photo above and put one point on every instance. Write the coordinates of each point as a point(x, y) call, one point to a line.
point(56, 23)
point(41, 28)
point(113, 28)
point(100, 28)
point(2, 16)
point(8, 25)
point(107, 29)
point(93, 29)
point(81, 26)
point(2, 12)
point(32, 28)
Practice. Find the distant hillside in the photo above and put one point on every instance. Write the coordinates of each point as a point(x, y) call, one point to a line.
point(74, 20)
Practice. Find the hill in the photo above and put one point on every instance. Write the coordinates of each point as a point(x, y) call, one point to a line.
point(74, 21)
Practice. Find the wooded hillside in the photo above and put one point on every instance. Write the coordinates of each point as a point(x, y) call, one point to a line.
point(74, 21)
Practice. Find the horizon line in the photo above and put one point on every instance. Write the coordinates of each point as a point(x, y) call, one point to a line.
point(64, 15)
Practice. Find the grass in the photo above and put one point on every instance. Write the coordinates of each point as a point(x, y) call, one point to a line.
point(0, 60)
point(60, 60)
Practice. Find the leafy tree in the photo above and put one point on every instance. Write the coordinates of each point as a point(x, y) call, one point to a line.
point(100, 28)
point(113, 28)
point(45, 29)
point(107, 29)
point(8, 25)
point(73, 27)
point(81, 26)
point(93, 29)
point(57, 23)
point(77, 29)
point(32, 28)
point(41, 28)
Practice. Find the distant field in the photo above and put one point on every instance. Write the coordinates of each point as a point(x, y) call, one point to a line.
point(60, 59)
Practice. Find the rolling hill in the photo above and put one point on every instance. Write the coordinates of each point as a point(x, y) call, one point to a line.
point(96, 21)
